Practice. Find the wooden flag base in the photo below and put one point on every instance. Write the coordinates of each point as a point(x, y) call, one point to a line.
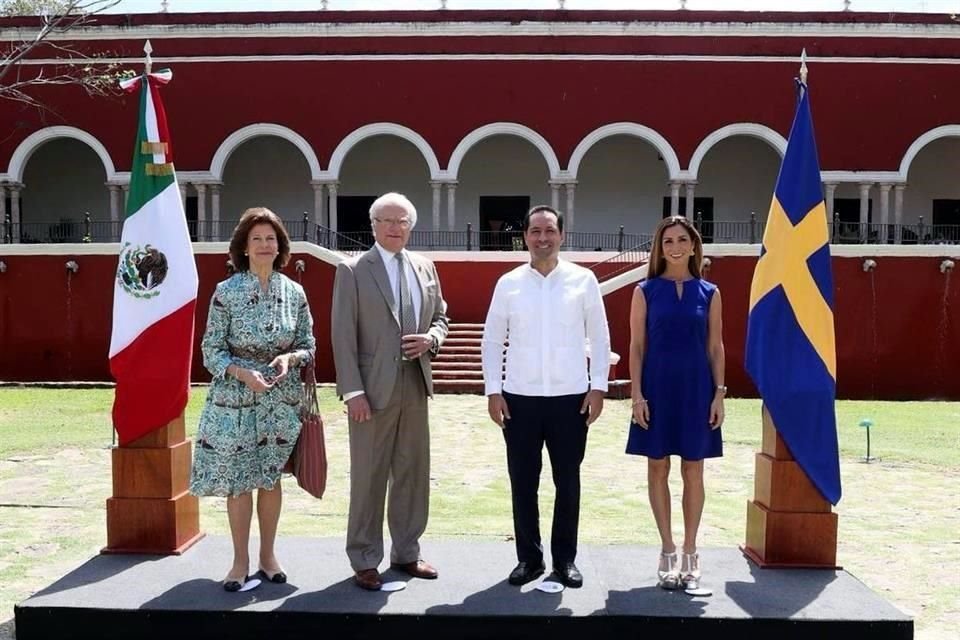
point(789, 524)
point(151, 510)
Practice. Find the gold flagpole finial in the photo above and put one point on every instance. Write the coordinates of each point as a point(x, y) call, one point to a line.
point(803, 66)
point(147, 62)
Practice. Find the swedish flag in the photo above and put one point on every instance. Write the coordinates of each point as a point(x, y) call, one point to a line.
point(791, 348)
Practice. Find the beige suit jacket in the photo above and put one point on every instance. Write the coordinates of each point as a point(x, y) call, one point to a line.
point(365, 327)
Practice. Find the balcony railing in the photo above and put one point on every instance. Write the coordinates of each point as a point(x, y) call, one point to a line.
point(469, 239)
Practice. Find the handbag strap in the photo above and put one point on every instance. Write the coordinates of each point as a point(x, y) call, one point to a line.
point(309, 406)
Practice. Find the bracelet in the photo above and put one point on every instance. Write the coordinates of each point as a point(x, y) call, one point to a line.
point(640, 401)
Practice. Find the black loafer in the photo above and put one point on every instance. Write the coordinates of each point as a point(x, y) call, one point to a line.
point(278, 578)
point(232, 585)
point(569, 575)
point(524, 572)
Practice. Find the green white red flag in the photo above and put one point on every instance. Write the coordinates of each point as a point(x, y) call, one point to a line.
point(155, 289)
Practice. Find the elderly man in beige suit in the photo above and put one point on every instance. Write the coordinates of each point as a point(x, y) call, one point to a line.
point(388, 321)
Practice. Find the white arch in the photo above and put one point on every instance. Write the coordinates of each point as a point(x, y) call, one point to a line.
point(946, 131)
point(503, 128)
point(752, 129)
point(383, 129)
point(625, 129)
point(18, 161)
point(240, 136)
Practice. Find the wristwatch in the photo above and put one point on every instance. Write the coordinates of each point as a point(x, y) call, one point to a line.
point(722, 388)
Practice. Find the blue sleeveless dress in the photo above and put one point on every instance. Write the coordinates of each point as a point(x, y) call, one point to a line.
point(677, 381)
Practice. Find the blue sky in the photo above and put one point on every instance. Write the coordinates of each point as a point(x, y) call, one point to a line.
point(150, 6)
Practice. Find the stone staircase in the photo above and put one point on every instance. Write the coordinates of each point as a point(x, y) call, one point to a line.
point(457, 368)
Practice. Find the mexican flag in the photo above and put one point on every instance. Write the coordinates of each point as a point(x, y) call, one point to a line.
point(155, 289)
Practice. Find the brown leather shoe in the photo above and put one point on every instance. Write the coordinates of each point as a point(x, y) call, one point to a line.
point(368, 579)
point(417, 569)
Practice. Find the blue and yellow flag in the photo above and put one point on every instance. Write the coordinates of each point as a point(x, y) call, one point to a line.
point(791, 348)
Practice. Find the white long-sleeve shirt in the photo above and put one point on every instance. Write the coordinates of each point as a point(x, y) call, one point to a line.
point(548, 321)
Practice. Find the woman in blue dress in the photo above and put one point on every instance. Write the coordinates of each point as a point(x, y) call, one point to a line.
point(677, 386)
point(259, 333)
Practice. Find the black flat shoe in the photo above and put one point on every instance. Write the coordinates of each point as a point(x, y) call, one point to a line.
point(232, 585)
point(278, 578)
point(569, 575)
point(524, 572)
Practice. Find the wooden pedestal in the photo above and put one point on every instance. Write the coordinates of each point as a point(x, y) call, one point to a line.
point(151, 510)
point(789, 524)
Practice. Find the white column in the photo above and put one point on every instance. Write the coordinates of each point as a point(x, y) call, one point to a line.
point(437, 188)
point(15, 189)
point(332, 203)
point(317, 202)
point(830, 190)
point(674, 198)
point(451, 205)
point(3, 202)
point(114, 203)
point(884, 211)
point(214, 234)
point(691, 187)
point(3, 214)
point(898, 212)
point(183, 193)
point(215, 190)
point(555, 195)
point(571, 190)
point(864, 211)
point(126, 194)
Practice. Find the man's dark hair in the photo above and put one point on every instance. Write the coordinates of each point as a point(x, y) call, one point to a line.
point(541, 208)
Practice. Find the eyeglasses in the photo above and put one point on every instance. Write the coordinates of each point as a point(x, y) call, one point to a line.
point(403, 223)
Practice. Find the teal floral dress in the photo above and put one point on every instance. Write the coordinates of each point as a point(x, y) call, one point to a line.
point(245, 438)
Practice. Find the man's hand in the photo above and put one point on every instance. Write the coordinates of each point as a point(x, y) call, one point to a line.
point(416, 344)
point(592, 405)
point(498, 409)
point(358, 409)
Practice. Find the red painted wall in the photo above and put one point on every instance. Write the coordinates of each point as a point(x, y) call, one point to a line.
point(898, 331)
point(867, 115)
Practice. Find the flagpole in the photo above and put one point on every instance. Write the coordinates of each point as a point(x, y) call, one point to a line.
point(148, 61)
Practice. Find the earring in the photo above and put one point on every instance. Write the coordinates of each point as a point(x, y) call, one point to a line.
point(245, 253)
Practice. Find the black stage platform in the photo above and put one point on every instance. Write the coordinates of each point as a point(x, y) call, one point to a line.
point(147, 597)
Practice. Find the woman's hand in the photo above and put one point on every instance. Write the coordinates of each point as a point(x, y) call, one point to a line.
point(281, 364)
point(716, 412)
point(254, 380)
point(641, 412)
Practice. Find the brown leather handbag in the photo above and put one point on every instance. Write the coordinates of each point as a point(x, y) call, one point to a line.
point(308, 462)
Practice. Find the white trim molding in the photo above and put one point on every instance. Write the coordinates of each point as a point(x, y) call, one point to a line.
point(21, 155)
point(381, 129)
point(503, 129)
point(238, 137)
point(946, 131)
point(752, 129)
point(625, 129)
point(629, 25)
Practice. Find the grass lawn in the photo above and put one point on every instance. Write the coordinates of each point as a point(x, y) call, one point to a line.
point(899, 517)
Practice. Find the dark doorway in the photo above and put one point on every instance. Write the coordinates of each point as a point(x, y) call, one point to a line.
point(946, 221)
point(702, 214)
point(190, 210)
point(353, 221)
point(846, 220)
point(500, 220)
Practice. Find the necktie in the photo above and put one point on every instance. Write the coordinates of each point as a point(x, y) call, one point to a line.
point(408, 322)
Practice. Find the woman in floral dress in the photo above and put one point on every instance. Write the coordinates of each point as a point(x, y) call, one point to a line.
point(259, 333)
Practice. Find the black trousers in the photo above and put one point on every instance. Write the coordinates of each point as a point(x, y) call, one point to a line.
point(557, 422)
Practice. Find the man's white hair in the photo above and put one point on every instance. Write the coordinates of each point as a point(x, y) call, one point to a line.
point(394, 200)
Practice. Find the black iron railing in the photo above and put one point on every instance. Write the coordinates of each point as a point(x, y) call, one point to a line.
point(87, 229)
